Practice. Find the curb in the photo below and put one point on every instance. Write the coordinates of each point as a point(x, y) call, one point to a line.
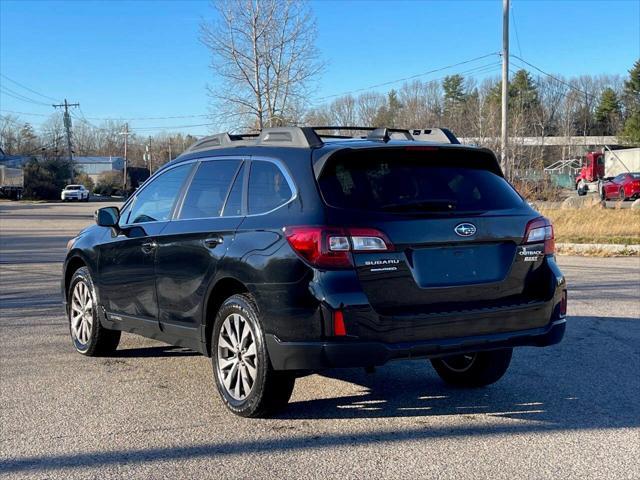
point(606, 248)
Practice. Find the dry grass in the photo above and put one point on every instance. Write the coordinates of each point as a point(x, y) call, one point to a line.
point(595, 225)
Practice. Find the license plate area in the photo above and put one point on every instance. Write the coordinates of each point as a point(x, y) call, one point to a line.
point(455, 265)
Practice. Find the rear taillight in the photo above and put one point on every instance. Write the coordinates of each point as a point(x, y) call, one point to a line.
point(563, 304)
point(541, 230)
point(331, 247)
point(339, 328)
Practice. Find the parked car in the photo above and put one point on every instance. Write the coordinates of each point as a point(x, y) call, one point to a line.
point(622, 187)
point(293, 252)
point(75, 192)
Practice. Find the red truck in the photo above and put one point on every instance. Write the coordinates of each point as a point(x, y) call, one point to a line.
point(599, 168)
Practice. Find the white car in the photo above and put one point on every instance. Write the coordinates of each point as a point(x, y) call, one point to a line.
point(75, 192)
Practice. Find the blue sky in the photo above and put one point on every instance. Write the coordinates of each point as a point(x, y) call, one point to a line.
point(143, 59)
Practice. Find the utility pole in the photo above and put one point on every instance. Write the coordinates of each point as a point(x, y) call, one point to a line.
point(504, 157)
point(147, 156)
point(169, 148)
point(67, 126)
point(126, 143)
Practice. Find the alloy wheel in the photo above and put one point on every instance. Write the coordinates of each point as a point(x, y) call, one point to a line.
point(237, 357)
point(82, 312)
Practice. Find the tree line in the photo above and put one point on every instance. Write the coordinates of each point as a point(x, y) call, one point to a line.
point(265, 64)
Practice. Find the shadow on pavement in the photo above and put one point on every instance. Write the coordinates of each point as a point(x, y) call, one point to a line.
point(159, 351)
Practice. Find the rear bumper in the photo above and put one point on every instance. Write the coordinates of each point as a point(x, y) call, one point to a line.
point(353, 353)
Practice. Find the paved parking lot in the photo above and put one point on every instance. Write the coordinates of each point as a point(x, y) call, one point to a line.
point(151, 411)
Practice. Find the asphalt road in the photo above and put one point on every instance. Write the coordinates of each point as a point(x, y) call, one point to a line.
point(569, 411)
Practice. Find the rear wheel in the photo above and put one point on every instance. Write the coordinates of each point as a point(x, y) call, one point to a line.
point(247, 383)
point(473, 369)
point(89, 337)
point(621, 195)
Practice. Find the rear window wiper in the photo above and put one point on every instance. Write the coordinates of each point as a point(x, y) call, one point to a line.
point(422, 205)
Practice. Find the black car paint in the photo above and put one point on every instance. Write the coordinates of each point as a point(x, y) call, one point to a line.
point(182, 274)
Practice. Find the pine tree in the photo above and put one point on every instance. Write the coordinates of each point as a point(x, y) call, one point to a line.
point(387, 115)
point(453, 86)
point(609, 111)
point(631, 130)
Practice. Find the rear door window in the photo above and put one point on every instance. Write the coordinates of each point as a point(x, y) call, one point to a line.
point(405, 183)
point(208, 190)
point(268, 187)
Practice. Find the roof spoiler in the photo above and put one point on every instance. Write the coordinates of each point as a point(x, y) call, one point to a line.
point(438, 135)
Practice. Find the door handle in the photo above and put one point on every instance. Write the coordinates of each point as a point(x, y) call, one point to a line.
point(213, 242)
point(149, 247)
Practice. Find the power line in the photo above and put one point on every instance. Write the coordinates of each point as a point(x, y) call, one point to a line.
point(18, 96)
point(515, 27)
point(404, 79)
point(160, 127)
point(27, 88)
point(26, 113)
point(572, 87)
point(199, 115)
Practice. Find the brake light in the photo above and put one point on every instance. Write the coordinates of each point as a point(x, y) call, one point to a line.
point(339, 329)
point(331, 247)
point(563, 304)
point(541, 230)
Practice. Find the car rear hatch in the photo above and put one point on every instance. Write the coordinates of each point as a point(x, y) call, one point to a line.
point(453, 232)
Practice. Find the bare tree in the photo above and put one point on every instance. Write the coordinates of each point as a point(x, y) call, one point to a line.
point(263, 56)
point(368, 104)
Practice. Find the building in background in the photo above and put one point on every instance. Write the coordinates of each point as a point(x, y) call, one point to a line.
point(94, 166)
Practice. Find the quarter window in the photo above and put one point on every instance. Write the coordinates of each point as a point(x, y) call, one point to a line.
point(233, 207)
point(156, 201)
point(208, 189)
point(268, 187)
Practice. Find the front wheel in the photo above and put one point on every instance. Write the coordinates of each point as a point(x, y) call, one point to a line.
point(89, 337)
point(247, 383)
point(473, 369)
point(621, 195)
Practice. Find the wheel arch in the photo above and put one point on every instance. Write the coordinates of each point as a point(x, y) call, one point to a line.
point(222, 289)
point(74, 261)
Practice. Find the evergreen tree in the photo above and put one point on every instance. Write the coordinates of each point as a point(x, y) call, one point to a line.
point(453, 86)
point(609, 111)
point(631, 130)
point(387, 115)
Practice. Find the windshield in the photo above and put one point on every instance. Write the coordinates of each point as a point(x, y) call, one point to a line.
point(385, 183)
point(73, 187)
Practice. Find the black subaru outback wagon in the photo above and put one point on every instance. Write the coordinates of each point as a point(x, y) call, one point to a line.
point(292, 251)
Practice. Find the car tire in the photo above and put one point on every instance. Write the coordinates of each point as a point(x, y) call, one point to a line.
point(621, 195)
point(88, 336)
point(247, 383)
point(474, 369)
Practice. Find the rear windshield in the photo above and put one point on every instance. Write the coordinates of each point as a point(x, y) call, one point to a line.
point(413, 184)
point(73, 187)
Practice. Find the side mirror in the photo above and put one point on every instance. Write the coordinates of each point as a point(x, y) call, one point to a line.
point(107, 216)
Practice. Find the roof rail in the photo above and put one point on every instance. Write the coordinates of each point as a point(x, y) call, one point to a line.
point(310, 137)
point(375, 133)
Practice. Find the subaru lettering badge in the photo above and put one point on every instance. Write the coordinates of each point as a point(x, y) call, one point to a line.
point(465, 229)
